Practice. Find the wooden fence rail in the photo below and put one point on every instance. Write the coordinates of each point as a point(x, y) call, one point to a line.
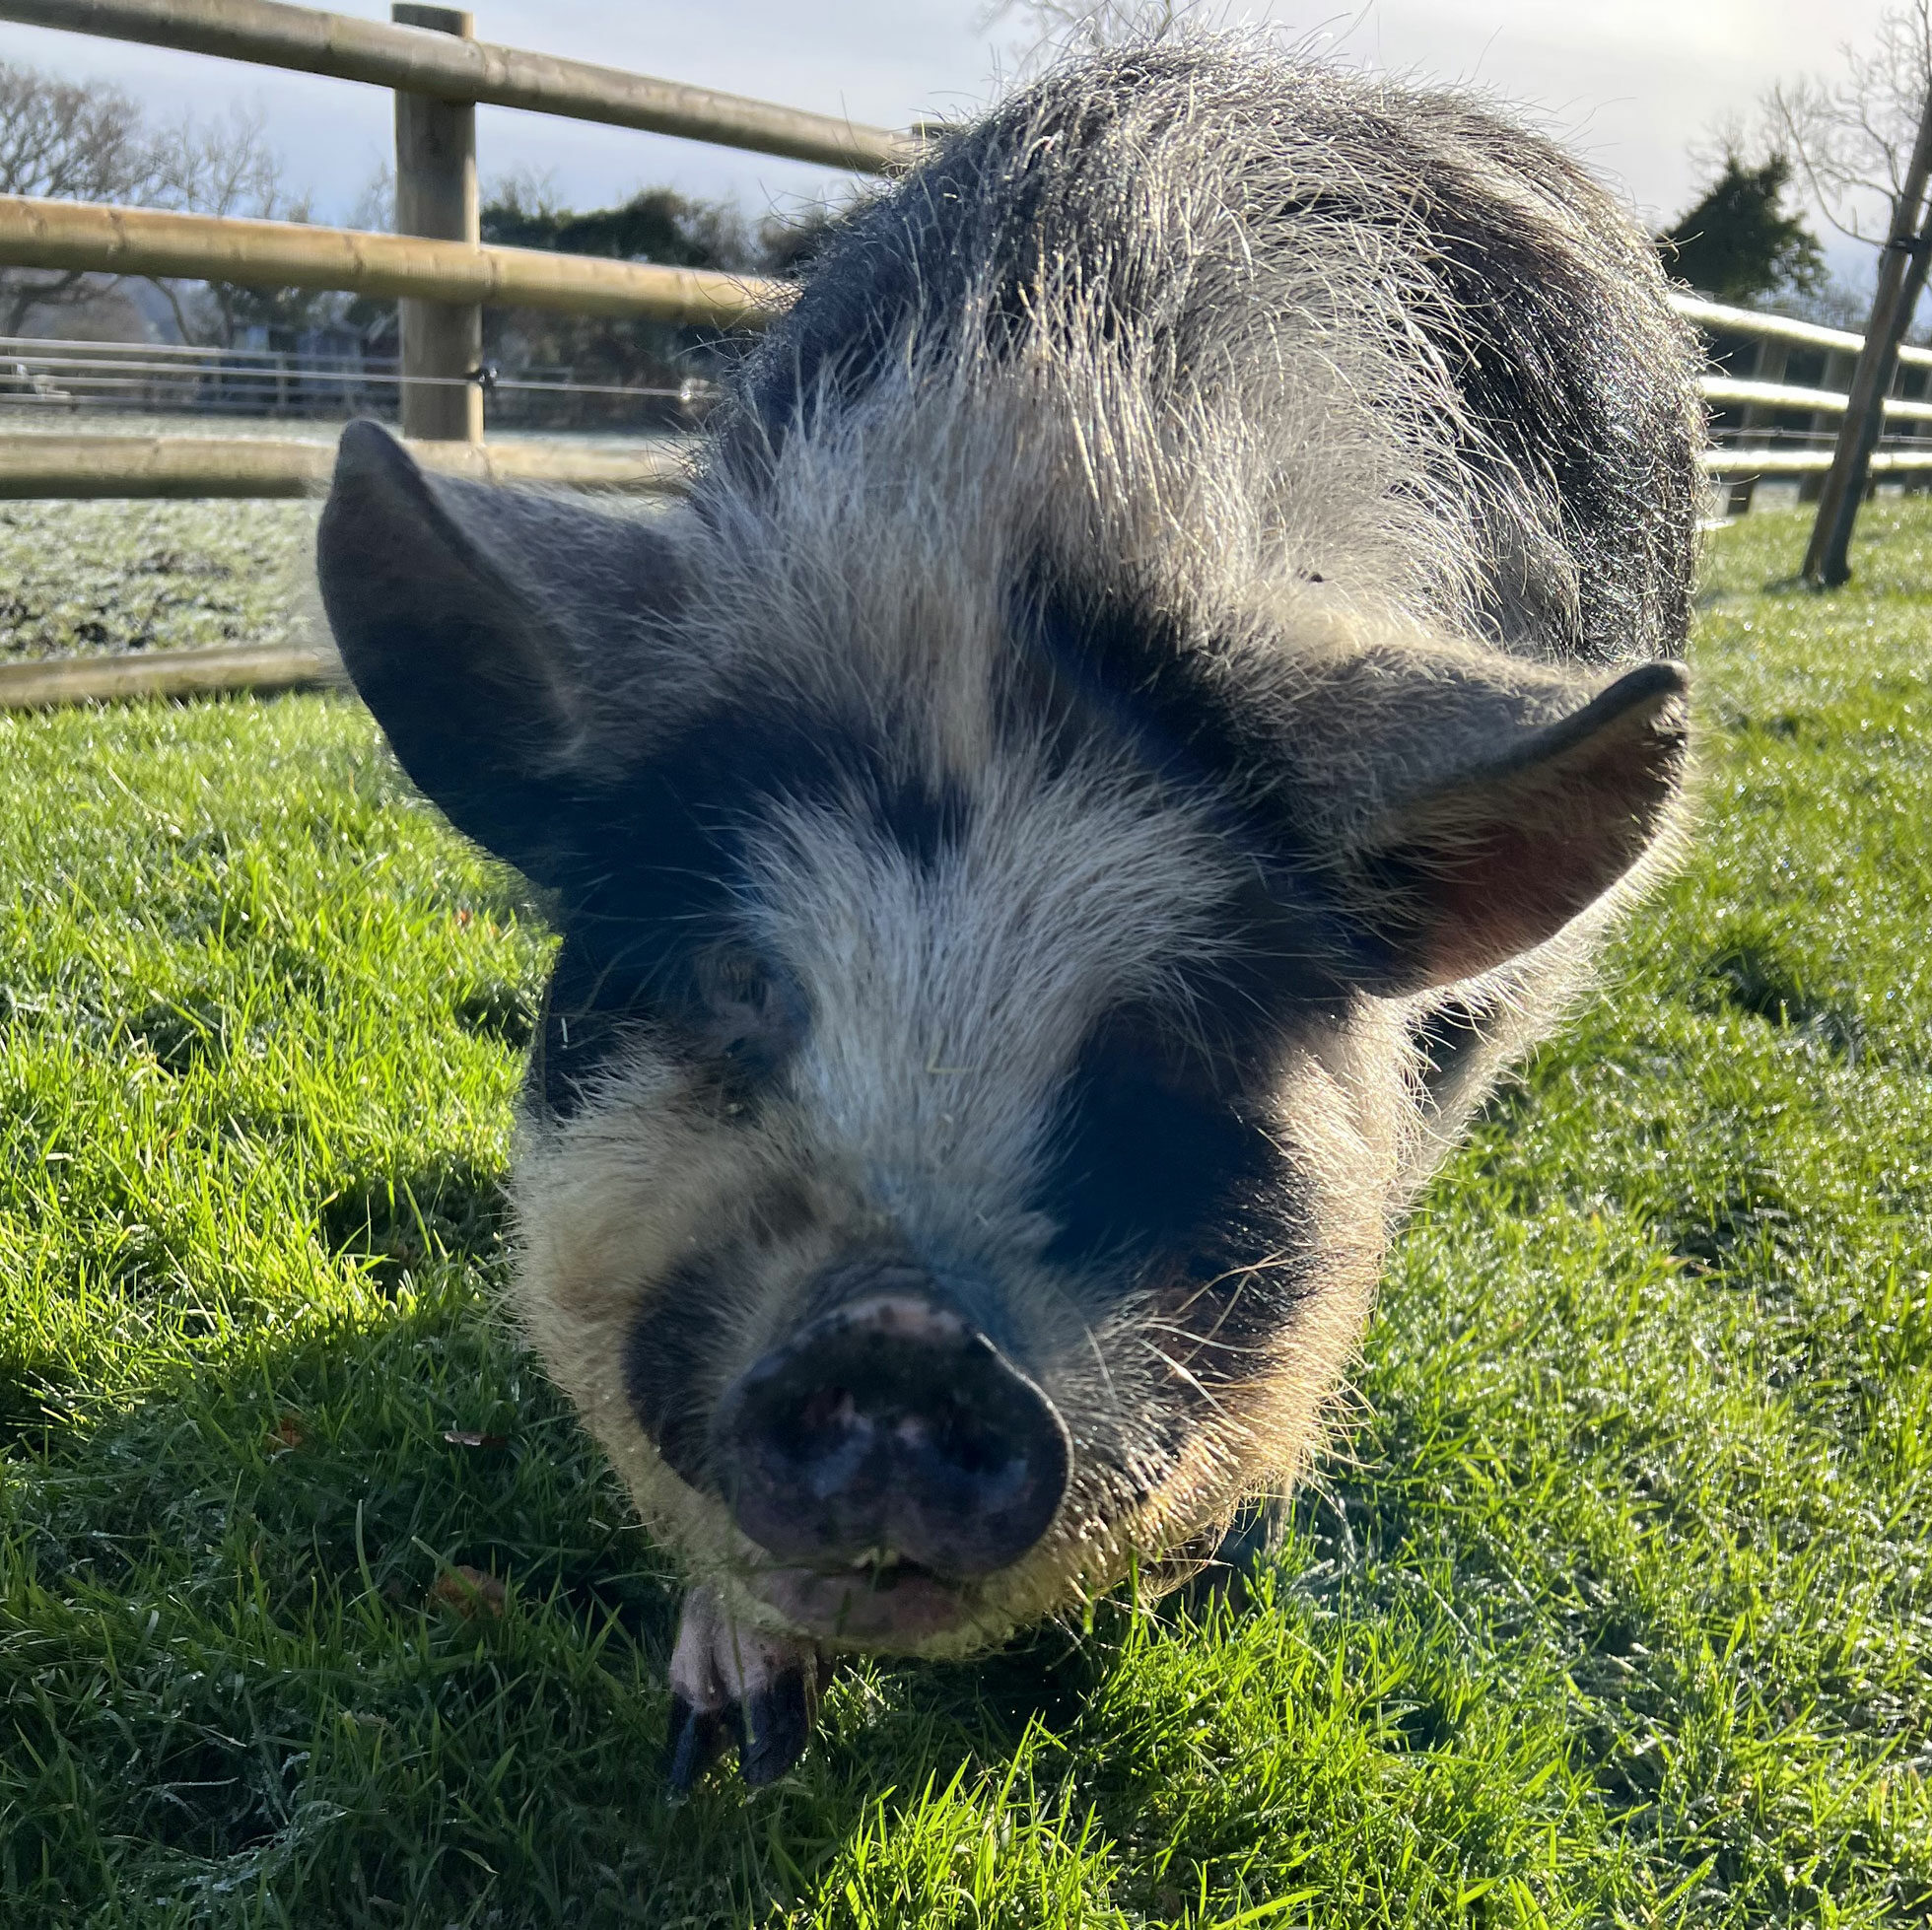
point(1733, 462)
point(415, 61)
point(93, 467)
point(111, 240)
point(1765, 426)
point(50, 682)
point(1719, 319)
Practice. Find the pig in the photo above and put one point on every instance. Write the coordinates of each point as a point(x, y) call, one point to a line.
point(1161, 683)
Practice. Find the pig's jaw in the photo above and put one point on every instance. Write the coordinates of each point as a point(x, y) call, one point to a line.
point(894, 1607)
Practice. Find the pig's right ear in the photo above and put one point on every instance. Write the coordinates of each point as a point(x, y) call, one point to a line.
point(452, 605)
point(1478, 864)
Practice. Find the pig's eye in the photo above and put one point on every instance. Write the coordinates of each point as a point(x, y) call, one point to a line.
point(751, 1013)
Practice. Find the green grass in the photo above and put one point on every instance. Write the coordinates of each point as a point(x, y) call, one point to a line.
point(1619, 1609)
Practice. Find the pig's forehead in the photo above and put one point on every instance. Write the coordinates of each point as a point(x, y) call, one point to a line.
point(1061, 865)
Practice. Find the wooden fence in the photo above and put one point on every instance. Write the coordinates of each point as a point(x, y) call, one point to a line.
point(1775, 388)
point(41, 375)
point(438, 267)
point(1778, 389)
point(461, 69)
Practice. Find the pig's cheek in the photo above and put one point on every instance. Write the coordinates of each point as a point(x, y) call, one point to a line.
point(608, 1202)
point(605, 1209)
point(1259, 1390)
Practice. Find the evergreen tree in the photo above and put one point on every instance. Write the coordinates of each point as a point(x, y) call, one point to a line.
point(1738, 244)
point(656, 225)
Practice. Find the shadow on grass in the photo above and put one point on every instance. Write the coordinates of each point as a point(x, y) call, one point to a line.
point(184, 1033)
point(494, 1008)
point(396, 1222)
point(1752, 971)
point(360, 1614)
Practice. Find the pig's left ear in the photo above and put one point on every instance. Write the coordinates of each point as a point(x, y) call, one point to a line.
point(470, 619)
point(1479, 867)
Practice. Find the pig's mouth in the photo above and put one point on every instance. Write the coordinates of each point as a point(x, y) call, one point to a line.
point(889, 1601)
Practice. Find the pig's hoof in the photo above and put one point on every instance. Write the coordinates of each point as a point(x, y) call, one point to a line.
point(731, 1684)
point(774, 1725)
point(698, 1738)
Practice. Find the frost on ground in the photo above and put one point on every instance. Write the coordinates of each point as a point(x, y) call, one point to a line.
point(85, 579)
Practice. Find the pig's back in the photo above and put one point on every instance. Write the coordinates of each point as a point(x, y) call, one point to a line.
point(1353, 260)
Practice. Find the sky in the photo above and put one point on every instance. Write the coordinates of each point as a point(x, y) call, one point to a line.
point(1630, 84)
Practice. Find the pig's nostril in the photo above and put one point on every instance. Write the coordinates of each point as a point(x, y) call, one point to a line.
point(891, 1424)
point(825, 1412)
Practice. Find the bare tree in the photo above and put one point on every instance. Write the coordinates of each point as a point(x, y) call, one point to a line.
point(375, 206)
point(1852, 137)
point(226, 167)
point(70, 143)
point(219, 167)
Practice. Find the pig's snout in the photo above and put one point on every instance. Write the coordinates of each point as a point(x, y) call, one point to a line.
point(891, 1428)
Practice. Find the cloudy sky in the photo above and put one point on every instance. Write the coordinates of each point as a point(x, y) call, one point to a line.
point(1631, 83)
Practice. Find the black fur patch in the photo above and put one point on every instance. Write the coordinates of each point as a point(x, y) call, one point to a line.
point(1110, 665)
point(1166, 1169)
point(671, 1353)
point(654, 892)
point(666, 1359)
point(1156, 1140)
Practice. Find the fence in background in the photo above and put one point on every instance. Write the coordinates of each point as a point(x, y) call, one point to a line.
point(1774, 403)
point(169, 379)
point(438, 267)
point(1776, 389)
point(304, 40)
point(170, 466)
point(38, 374)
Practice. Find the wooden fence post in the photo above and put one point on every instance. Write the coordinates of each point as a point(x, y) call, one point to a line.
point(436, 196)
point(1757, 418)
point(1837, 371)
